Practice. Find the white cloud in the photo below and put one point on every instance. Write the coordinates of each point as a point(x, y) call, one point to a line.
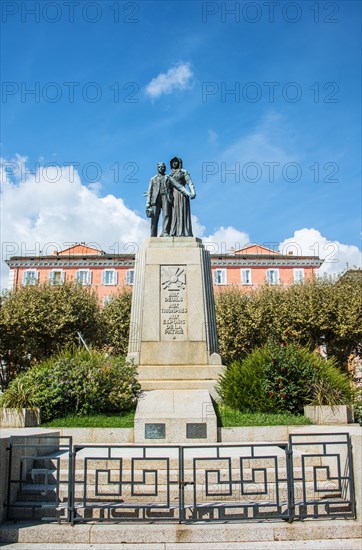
point(337, 256)
point(55, 207)
point(176, 78)
point(224, 239)
point(52, 209)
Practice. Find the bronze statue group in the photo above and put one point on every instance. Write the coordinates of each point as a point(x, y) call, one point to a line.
point(171, 194)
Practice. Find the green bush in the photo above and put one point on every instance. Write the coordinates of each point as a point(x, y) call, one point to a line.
point(241, 385)
point(332, 387)
point(357, 411)
point(283, 377)
point(19, 395)
point(78, 382)
point(291, 372)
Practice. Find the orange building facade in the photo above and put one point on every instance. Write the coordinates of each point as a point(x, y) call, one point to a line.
point(247, 268)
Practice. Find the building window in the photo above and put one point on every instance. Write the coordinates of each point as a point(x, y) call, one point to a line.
point(109, 277)
point(130, 277)
point(246, 277)
point(56, 277)
point(298, 275)
point(30, 277)
point(11, 280)
point(106, 300)
point(84, 276)
point(272, 276)
point(220, 277)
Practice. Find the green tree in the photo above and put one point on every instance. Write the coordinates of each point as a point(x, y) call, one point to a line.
point(37, 321)
point(116, 319)
point(311, 313)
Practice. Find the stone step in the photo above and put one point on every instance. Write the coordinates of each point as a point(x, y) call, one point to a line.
point(196, 384)
point(188, 474)
point(34, 510)
point(172, 533)
point(179, 372)
point(142, 492)
point(99, 457)
point(37, 492)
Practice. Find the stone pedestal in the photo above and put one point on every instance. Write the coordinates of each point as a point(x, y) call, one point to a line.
point(173, 338)
point(173, 342)
point(175, 416)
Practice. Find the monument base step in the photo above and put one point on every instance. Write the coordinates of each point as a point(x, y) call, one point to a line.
point(197, 534)
point(175, 416)
point(179, 372)
point(190, 384)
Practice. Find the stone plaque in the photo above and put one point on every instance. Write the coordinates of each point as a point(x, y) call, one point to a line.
point(196, 430)
point(173, 303)
point(155, 431)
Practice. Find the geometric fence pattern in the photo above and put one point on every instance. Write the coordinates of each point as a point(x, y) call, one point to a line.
point(328, 458)
point(307, 477)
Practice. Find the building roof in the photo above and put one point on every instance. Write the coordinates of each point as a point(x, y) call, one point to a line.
point(255, 249)
point(79, 249)
point(81, 254)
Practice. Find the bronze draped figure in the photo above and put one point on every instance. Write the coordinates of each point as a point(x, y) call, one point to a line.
point(169, 194)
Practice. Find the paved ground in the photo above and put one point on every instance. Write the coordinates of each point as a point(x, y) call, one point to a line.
point(345, 544)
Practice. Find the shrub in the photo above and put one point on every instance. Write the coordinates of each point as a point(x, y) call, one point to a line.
point(331, 387)
point(19, 395)
point(241, 384)
point(283, 377)
point(290, 374)
point(357, 411)
point(79, 382)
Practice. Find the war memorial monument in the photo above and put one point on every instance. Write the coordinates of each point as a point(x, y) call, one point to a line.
point(173, 339)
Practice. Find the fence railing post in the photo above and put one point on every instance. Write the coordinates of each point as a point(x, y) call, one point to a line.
point(181, 480)
point(71, 482)
point(290, 481)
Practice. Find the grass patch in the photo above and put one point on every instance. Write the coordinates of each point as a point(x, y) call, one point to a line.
point(114, 420)
point(229, 417)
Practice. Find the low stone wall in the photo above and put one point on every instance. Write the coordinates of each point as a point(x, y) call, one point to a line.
point(107, 436)
point(324, 414)
point(281, 433)
point(23, 418)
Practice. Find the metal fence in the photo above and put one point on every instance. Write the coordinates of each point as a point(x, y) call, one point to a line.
point(307, 477)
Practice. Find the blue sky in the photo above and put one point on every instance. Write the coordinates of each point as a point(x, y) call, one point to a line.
point(120, 86)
